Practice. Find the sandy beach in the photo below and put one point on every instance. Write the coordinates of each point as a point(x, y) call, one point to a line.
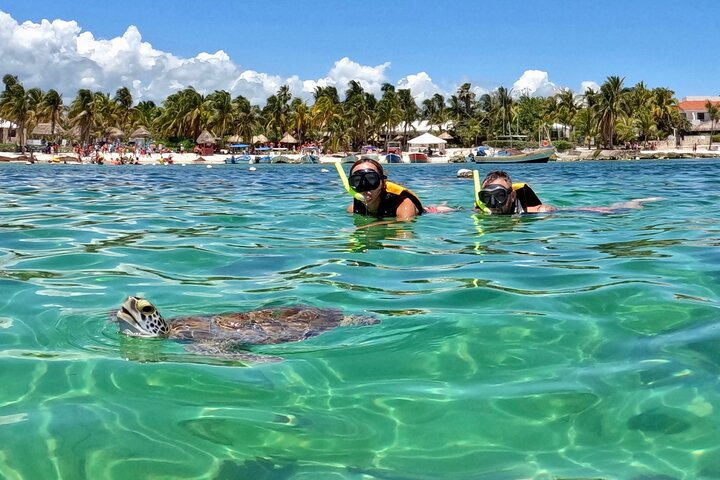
point(455, 155)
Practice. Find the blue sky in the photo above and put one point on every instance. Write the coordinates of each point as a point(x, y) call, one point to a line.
point(488, 43)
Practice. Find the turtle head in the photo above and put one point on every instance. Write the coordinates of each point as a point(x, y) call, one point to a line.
point(138, 317)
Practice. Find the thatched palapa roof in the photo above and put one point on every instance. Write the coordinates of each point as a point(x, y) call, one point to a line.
point(445, 136)
point(114, 132)
point(46, 129)
point(259, 139)
point(288, 139)
point(140, 132)
point(205, 137)
point(234, 139)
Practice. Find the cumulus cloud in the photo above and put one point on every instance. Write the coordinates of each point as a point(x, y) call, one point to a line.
point(588, 84)
point(534, 83)
point(421, 86)
point(59, 54)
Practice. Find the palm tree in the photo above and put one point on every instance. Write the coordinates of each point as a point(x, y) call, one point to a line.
point(301, 118)
point(585, 120)
point(408, 107)
point(611, 105)
point(247, 118)
point(566, 108)
point(123, 99)
point(714, 114)
point(15, 105)
point(388, 113)
point(220, 112)
point(358, 110)
point(466, 99)
point(81, 113)
point(51, 109)
point(144, 113)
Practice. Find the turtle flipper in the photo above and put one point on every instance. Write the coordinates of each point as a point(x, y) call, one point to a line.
point(358, 320)
point(228, 350)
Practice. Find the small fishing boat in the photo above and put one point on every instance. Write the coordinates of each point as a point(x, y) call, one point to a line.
point(262, 155)
point(370, 152)
point(418, 157)
point(310, 155)
point(394, 152)
point(541, 155)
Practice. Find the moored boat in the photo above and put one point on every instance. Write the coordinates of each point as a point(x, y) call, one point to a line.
point(393, 158)
point(541, 155)
point(418, 157)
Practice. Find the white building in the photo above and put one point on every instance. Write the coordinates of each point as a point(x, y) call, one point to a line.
point(8, 132)
point(694, 110)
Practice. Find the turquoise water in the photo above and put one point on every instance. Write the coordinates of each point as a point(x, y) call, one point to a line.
point(573, 344)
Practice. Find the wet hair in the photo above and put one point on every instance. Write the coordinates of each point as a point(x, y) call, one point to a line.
point(495, 174)
point(377, 165)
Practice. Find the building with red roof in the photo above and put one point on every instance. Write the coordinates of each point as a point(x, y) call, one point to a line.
point(695, 111)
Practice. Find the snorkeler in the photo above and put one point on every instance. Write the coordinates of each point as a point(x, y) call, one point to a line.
point(376, 196)
point(500, 196)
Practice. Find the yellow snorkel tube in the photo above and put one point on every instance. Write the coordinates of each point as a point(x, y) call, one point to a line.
point(480, 205)
point(346, 183)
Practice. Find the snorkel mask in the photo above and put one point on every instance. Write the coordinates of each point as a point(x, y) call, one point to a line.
point(365, 180)
point(494, 195)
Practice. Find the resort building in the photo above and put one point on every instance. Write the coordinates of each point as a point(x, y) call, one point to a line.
point(694, 110)
point(8, 132)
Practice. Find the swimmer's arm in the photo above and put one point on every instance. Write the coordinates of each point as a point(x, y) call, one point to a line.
point(406, 211)
point(351, 208)
point(541, 209)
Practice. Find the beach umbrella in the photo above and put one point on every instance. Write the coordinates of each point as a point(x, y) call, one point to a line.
point(205, 137)
point(140, 132)
point(445, 136)
point(288, 139)
point(234, 139)
point(427, 139)
point(259, 139)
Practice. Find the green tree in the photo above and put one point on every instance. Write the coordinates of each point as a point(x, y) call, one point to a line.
point(612, 103)
point(51, 109)
point(714, 114)
point(15, 105)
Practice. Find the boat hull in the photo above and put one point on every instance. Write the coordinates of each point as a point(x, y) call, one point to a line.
point(541, 156)
point(418, 157)
point(393, 158)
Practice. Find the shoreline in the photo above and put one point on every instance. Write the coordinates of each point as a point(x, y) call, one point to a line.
point(453, 155)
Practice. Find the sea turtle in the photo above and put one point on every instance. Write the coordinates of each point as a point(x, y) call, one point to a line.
point(228, 334)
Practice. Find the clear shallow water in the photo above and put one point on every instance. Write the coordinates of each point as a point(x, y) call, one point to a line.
point(567, 345)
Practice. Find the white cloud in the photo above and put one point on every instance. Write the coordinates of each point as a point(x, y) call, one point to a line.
point(534, 83)
point(58, 54)
point(421, 86)
point(588, 84)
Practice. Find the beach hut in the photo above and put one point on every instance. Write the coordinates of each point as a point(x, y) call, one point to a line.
point(140, 135)
point(205, 143)
point(114, 132)
point(259, 139)
point(46, 130)
point(288, 139)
